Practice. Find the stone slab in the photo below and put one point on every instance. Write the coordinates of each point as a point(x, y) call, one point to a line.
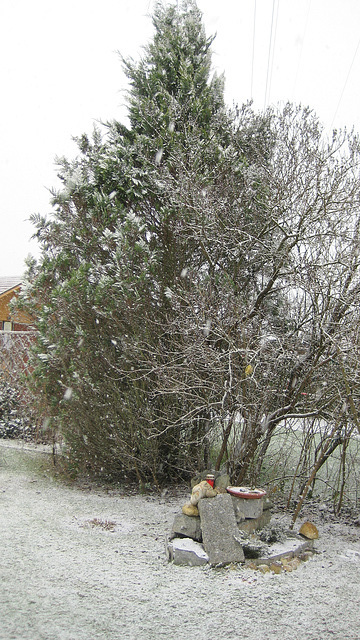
point(187, 526)
point(219, 530)
point(247, 508)
point(186, 551)
point(293, 547)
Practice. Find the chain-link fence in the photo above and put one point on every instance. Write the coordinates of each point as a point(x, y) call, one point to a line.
point(16, 407)
point(14, 354)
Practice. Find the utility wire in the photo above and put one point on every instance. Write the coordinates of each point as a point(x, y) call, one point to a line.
point(345, 83)
point(253, 54)
point(273, 51)
point(269, 54)
point(302, 46)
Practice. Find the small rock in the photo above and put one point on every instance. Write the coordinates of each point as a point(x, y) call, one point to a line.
point(220, 489)
point(309, 531)
point(276, 567)
point(294, 563)
point(263, 568)
point(190, 510)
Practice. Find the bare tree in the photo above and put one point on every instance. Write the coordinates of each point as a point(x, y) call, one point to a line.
point(264, 317)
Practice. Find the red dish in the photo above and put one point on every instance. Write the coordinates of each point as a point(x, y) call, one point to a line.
point(246, 492)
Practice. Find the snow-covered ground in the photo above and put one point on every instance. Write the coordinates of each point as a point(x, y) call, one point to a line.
point(79, 563)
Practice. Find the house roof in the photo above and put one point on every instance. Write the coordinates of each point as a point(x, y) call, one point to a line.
point(9, 282)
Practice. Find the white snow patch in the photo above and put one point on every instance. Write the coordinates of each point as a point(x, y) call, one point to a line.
point(187, 544)
point(68, 394)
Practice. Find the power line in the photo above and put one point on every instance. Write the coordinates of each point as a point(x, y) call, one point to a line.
point(273, 50)
point(302, 45)
point(253, 54)
point(270, 53)
point(345, 83)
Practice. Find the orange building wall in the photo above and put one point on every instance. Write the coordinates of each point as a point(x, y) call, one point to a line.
point(19, 318)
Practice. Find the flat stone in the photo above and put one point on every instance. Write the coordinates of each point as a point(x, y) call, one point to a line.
point(187, 526)
point(219, 530)
point(293, 547)
point(247, 508)
point(188, 552)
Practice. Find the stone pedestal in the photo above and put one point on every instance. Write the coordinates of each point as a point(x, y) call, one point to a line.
point(247, 508)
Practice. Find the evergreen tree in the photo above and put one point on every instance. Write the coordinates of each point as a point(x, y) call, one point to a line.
point(116, 244)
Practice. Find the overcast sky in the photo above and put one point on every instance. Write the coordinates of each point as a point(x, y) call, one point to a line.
point(60, 73)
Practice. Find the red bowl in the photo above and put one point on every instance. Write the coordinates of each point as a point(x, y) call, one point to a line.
point(246, 492)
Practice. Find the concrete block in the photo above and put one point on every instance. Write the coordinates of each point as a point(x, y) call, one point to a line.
point(187, 526)
point(254, 524)
point(185, 551)
point(219, 530)
point(247, 508)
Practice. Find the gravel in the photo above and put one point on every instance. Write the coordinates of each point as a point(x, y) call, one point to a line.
point(83, 563)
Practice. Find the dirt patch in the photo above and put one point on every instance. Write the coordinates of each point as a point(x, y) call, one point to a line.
point(80, 563)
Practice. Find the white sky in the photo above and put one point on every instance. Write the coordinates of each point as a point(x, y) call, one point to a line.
point(60, 72)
